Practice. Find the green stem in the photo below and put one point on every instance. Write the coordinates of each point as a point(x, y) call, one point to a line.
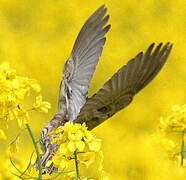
point(76, 163)
point(182, 149)
point(37, 150)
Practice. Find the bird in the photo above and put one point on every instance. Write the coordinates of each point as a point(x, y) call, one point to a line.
point(74, 105)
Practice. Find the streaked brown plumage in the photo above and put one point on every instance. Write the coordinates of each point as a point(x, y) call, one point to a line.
point(117, 93)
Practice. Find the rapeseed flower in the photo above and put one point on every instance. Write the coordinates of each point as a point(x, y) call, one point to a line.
point(172, 131)
point(13, 91)
point(40, 105)
point(76, 143)
point(2, 134)
point(176, 121)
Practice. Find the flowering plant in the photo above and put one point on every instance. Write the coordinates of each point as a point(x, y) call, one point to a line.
point(172, 130)
point(78, 144)
point(78, 147)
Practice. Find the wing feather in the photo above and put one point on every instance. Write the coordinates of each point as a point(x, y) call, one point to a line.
point(81, 65)
point(119, 91)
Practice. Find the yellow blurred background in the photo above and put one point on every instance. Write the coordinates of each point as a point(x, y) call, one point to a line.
point(36, 37)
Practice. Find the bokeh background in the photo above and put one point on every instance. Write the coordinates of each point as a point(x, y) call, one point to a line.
point(36, 37)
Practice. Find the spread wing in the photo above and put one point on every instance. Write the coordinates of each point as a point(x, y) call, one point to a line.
point(81, 65)
point(119, 91)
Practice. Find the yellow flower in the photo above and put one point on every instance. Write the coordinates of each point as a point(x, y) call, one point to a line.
point(176, 121)
point(88, 136)
point(34, 85)
point(100, 168)
point(95, 145)
point(49, 163)
point(63, 148)
point(2, 135)
point(172, 132)
point(60, 129)
point(87, 158)
point(20, 93)
point(22, 117)
point(103, 176)
point(80, 145)
point(176, 108)
point(13, 147)
point(41, 106)
point(13, 90)
point(75, 140)
point(5, 66)
point(71, 146)
point(71, 136)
